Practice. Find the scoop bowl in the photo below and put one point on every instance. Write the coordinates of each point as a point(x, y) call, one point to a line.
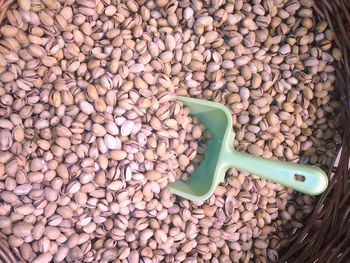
point(220, 156)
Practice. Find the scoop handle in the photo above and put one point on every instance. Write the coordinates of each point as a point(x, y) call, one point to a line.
point(306, 179)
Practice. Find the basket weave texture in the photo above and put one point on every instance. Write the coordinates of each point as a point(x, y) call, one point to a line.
point(6, 254)
point(326, 234)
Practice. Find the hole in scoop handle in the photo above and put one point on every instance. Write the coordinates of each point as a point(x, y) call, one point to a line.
point(306, 179)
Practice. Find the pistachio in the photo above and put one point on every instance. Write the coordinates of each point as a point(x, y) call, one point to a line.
point(22, 229)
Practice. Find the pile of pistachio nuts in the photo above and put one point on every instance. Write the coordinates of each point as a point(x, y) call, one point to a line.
point(91, 132)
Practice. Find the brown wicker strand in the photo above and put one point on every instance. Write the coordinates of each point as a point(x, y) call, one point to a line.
point(6, 255)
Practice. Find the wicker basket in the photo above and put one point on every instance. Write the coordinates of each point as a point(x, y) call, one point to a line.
point(326, 234)
point(6, 254)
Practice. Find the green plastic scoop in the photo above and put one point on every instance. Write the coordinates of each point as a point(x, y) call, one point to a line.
point(220, 156)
